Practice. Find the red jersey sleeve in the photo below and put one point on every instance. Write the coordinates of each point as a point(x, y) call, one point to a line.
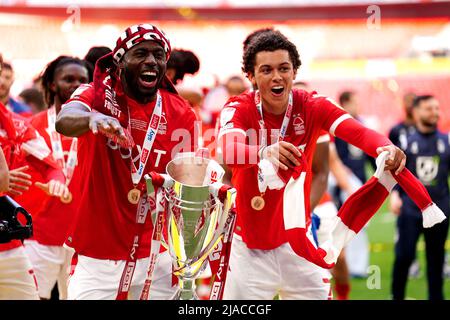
point(326, 113)
point(83, 95)
point(232, 136)
point(233, 117)
point(340, 124)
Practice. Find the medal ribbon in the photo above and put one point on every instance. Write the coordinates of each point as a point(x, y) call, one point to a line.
point(219, 267)
point(58, 153)
point(286, 119)
point(150, 137)
point(130, 265)
point(156, 242)
point(263, 137)
point(55, 138)
point(143, 205)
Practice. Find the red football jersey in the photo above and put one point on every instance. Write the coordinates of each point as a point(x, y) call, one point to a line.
point(52, 217)
point(311, 114)
point(105, 223)
point(6, 125)
point(16, 135)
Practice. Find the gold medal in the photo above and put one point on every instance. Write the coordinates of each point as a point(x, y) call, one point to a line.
point(134, 195)
point(67, 199)
point(258, 203)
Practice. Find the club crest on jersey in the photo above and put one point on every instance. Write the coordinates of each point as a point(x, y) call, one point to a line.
point(162, 128)
point(427, 169)
point(299, 125)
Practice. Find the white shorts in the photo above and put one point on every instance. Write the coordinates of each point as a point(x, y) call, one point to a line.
point(327, 213)
point(17, 280)
point(262, 274)
point(51, 265)
point(97, 279)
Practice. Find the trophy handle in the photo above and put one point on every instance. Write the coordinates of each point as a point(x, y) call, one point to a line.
point(158, 181)
point(226, 195)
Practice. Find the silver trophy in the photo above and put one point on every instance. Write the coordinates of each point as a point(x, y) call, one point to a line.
point(197, 206)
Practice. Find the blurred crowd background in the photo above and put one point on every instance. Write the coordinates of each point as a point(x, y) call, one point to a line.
point(379, 49)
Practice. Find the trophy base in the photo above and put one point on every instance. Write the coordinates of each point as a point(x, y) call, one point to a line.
point(186, 290)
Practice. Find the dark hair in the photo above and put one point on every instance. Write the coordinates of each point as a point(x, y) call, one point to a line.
point(92, 56)
point(345, 97)
point(183, 61)
point(253, 35)
point(33, 95)
point(48, 75)
point(419, 99)
point(269, 40)
point(7, 65)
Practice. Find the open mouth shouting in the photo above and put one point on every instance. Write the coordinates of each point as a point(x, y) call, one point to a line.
point(148, 79)
point(277, 91)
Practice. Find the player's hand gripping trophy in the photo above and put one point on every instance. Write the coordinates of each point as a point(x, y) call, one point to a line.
point(196, 208)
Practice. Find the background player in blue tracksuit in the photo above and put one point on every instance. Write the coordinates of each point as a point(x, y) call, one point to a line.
point(357, 251)
point(428, 158)
point(402, 130)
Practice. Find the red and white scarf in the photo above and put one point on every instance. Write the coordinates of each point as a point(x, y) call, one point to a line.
point(353, 215)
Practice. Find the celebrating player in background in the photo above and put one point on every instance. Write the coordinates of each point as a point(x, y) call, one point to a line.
point(53, 216)
point(92, 56)
point(23, 148)
point(262, 262)
point(428, 152)
point(129, 121)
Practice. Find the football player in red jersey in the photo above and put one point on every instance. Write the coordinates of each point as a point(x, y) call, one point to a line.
point(262, 263)
point(23, 146)
point(130, 106)
point(52, 216)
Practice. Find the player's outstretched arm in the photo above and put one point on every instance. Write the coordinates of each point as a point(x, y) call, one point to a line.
point(371, 142)
point(75, 120)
